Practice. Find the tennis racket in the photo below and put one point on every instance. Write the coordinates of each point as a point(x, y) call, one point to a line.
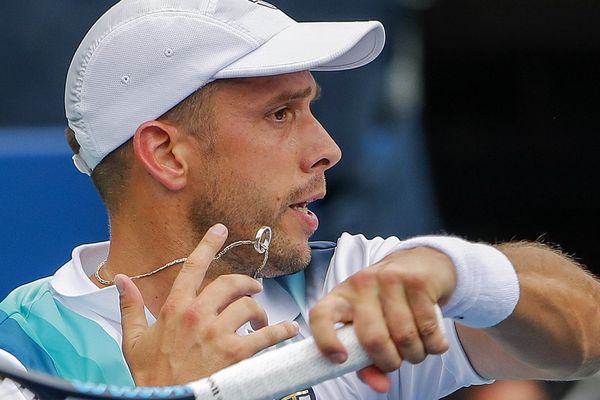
point(267, 376)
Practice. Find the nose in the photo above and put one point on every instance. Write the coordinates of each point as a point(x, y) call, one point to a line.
point(323, 152)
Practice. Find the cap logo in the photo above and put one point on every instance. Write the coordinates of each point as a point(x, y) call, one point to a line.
point(263, 3)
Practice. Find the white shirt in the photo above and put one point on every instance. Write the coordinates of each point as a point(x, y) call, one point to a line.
point(435, 377)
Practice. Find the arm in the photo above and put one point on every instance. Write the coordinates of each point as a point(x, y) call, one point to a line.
point(391, 303)
point(553, 331)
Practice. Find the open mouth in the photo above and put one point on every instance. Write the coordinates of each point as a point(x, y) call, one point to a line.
point(302, 207)
point(308, 218)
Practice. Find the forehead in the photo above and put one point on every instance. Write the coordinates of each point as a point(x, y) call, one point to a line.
point(267, 87)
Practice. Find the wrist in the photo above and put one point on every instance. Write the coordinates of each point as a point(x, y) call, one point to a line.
point(487, 286)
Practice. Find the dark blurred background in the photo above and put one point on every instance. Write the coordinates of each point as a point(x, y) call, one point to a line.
point(479, 119)
point(512, 119)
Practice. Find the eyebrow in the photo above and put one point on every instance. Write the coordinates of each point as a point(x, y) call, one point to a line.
point(290, 95)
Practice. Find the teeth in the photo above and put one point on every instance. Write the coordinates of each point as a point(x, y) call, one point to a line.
point(301, 207)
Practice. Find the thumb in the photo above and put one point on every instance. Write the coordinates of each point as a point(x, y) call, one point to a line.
point(133, 317)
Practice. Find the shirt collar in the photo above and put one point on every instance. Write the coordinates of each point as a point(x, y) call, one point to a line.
point(72, 283)
point(76, 290)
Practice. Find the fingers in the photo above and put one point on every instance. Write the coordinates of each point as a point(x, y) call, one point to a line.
point(194, 269)
point(393, 315)
point(133, 317)
point(400, 318)
point(428, 324)
point(241, 311)
point(216, 296)
point(411, 317)
point(323, 317)
point(371, 326)
point(270, 336)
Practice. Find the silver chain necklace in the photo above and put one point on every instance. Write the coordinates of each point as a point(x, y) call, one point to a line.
point(261, 244)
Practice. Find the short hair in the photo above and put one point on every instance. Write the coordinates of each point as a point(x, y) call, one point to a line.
point(111, 175)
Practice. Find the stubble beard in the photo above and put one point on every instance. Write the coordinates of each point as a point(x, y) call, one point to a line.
point(240, 210)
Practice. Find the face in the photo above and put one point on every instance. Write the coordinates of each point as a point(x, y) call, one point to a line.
point(265, 164)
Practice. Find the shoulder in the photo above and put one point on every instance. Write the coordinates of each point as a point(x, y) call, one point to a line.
point(17, 331)
point(351, 253)
point(20, 301)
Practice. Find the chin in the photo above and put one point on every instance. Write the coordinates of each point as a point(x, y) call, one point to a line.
point(286, 259)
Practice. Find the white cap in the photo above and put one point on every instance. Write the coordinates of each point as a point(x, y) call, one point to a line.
point(143, 57)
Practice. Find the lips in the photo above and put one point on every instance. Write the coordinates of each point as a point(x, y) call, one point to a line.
point(308, 218)
point(303, 205)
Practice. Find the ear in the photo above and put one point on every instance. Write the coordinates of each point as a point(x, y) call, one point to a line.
point(158, 148)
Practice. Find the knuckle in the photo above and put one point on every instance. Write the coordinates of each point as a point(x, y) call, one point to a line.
point(392, 364)
point(375, 342)
point(274, 335)
point(362, 280)
point(428, 328)
point(322, 313)
point(319, 311)
point(285, 330)
point(127, 307)
point(250, 305)
point(416, 280)
point(251, 309)
point(406, 338)
point(192, 264)
point(234, 351)
point(289, 329)
point(211, 333)
point(191, 317)
point(390, 276)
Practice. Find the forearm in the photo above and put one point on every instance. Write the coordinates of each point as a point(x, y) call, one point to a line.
point(553, 331)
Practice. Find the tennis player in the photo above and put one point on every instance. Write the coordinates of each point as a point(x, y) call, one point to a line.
point(193, 119)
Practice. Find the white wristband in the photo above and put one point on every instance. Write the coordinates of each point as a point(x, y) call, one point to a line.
point(487, 286)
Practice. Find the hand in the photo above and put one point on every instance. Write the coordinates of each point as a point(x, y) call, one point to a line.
point(391, 305)
point(195, 332)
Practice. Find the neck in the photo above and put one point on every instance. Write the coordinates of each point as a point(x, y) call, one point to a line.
point(144, 237)
point(156, 288)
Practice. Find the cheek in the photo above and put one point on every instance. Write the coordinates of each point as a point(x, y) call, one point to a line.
point(258, 170)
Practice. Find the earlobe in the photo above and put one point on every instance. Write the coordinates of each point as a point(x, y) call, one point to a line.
point(155, 145)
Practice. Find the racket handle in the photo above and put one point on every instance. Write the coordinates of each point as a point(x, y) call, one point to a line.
point(276, 373)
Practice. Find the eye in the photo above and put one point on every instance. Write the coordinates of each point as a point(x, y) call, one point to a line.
point(281, 115)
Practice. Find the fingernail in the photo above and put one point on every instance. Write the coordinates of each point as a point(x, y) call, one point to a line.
point(119, 284)
point(219, 230)
point(337, 358)
point(296, 326)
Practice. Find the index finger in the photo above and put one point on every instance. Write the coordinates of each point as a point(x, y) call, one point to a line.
point(194, 269)
point(323, 319)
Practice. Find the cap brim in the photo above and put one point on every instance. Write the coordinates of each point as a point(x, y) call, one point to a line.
point(317, 46)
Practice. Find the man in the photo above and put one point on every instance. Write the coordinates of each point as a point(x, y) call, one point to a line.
point(193, 119)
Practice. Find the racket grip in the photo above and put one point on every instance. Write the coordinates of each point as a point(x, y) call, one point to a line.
point(276, 373)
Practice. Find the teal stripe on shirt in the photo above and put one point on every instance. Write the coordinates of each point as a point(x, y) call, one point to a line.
point(78, 347)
